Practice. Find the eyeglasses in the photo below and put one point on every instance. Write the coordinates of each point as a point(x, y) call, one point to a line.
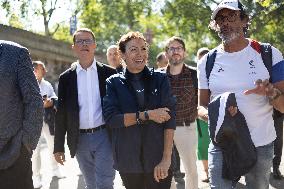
point(84, 41)
point(177, 49)
point(231, 17)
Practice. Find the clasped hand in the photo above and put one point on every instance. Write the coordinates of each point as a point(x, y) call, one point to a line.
point(159, 115)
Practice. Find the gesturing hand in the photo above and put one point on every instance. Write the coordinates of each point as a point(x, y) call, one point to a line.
point(263, 88)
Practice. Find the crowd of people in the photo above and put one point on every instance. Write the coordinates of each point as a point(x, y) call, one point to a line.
point(144, 122)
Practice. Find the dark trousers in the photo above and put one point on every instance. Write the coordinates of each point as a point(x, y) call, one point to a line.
point(19, 175)
point(176, 160)
point(278, 143)
point(144, 181)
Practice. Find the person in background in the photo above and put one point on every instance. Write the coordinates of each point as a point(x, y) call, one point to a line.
point(278, 118)
point(183, 80)
point(139, 108)
point(49, 101)
point(21, 116)
point(202, 131)
point(161, 60)
point(162, 63)
point(239, 68)
point(113, 58)
point(79, 114)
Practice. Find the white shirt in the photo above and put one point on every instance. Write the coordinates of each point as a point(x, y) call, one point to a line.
point(237, 72)
point(89, 98)
point(46, 89)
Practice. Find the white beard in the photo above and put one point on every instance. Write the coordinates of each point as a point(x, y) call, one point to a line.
point(229, 38)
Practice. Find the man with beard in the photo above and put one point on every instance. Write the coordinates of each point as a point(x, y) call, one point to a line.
point(183, 81)
point(239, 68)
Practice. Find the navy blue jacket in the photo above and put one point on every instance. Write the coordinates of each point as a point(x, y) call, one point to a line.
point(138, 148)
point(232, 135)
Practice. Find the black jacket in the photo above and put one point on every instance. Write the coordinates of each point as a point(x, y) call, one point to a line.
point(67, 115)
point(233, 137)
point(137, 149)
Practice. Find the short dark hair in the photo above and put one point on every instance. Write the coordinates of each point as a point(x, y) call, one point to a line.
point(174, 38)
point(127, 37)
point(84, 30)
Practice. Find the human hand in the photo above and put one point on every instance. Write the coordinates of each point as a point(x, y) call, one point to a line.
point(159, 115)
point(161, 170)
point(263, 88)
point(233, 110)
point(60, 157)
point(203, 113)
point(47, 103)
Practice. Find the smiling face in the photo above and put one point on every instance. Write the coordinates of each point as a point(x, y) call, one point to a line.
point(135, 55)
point(229, 25)
point(84, 46)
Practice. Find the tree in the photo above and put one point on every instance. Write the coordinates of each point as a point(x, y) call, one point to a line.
point(267, 21)
point(109, 19)
point(189, 19)
point(14, 21)
point(30, 8)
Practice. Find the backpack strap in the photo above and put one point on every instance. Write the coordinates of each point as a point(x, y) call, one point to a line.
point(266, 54)
point(264, 49)
point(211, 56)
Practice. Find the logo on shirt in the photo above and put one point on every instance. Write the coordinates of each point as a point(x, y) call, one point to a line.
point(221, 70)
point(251, 63)
point(252, 68)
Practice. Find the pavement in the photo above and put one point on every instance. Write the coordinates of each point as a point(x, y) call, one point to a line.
point(74, 179)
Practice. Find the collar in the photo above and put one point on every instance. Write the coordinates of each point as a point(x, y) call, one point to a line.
point(147, 72)
point(79, 67)
point(182, 70)
point(42, 80)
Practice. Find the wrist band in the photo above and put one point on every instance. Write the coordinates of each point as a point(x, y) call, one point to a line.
point(138, 120)
point(274, 97)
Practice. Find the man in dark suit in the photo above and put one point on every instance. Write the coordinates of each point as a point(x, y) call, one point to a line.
point(79, 113)
point(21, 115)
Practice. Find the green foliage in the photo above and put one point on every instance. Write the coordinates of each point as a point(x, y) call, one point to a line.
point(267, 22)
point(63, 34)
point(189, 19)
point(14, 21)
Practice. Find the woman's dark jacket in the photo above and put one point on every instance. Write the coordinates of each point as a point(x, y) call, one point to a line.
point(137, 148)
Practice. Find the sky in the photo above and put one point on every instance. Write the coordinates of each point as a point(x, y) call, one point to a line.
point(35, 23)
point(61, 15)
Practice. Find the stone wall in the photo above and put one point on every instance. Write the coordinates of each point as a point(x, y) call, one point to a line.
point(57, 55)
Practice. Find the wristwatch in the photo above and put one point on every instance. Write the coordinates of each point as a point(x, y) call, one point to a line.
point(138, 120)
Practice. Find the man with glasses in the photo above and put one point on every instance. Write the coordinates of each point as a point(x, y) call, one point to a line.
point(184, 86)
point(239, 68)
point(79, 113)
